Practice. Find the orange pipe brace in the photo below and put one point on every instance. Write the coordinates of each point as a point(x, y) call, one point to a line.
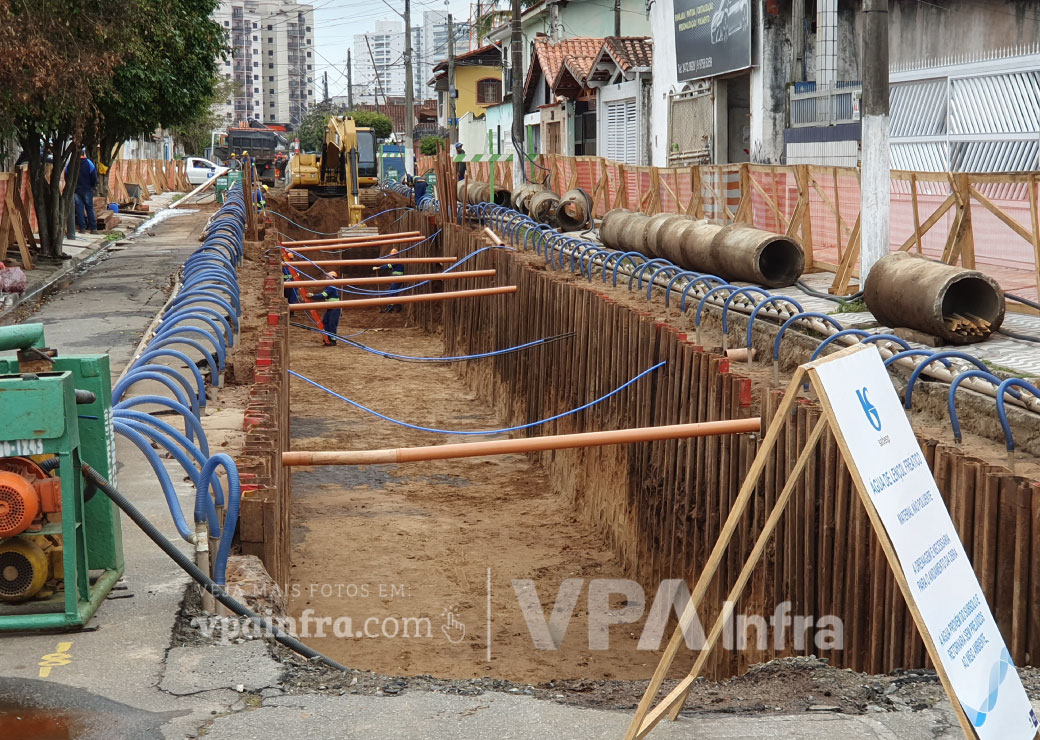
point(383, 279)
point(380, 242)
point(447, 295)
point(374, 262)
point(526, 444)
point(346, 239)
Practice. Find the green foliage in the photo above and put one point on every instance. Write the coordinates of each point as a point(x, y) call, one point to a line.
point(378, 122)
point(428, 145)
point(311, 130)
point(169, 74)
point(93, 72)
point(195, 135)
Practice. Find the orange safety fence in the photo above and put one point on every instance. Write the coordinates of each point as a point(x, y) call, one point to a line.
point(986, 221)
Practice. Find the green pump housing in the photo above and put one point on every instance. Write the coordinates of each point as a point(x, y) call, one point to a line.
point(41, 417)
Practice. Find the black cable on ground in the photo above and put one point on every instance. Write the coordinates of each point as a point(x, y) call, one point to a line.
point(201, 578)
point(1016, 335)
point(827, 297)
point(1025, 301)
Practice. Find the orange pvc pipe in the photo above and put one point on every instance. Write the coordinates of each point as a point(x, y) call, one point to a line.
point(525, 444)
point(384, 279)
point(346, 239)
point(381, 242)
point(374, 262)
point(393, 301)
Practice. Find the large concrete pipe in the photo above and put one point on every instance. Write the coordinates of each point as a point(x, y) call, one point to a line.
point(522, 196)
point(542, 206)
point(476, 192)
point(960, 306)
point(741, 252)
point(575, 211)
point(735, 252)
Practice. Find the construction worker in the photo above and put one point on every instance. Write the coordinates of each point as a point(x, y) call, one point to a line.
point(234, 165)
point(261, 197)
point(88, 179)
point(290, 293)
point(331, 318)
point(419, 189)
point(392, 268)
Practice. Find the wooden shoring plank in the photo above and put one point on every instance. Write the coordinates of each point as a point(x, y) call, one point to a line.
point(14, 220)
point(1034, 217)
point(842, 226)
point(781, 218)
point(1011, 223)
point(673, 702)
point(641, 723)
point(951, 199)
point(917, 215)
point(843, 275)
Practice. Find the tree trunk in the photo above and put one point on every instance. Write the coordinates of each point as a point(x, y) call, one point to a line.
point(52, 205)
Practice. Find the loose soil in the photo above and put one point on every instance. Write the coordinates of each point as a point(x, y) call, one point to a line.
point(390, 542)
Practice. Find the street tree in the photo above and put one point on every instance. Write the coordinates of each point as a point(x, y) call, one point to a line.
point(94, 72)
point(168, 75)
point(56, 58)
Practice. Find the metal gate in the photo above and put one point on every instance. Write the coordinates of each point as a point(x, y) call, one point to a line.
point(691, 126)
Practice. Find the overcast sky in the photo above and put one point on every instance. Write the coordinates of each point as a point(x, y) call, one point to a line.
point(337, 21)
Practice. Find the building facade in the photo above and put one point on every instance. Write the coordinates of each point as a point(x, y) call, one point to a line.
point(272, 61)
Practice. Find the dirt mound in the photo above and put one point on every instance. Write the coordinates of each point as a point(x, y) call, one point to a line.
point(325, 216)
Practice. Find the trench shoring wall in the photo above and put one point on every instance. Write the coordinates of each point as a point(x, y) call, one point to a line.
point(264, 528)
point(661, 505)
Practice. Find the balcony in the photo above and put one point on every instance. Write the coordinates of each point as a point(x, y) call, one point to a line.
point(809, 105)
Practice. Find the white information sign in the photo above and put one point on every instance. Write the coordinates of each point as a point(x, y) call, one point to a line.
point(891, 467)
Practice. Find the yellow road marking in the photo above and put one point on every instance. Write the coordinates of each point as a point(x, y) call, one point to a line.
point(58, 658)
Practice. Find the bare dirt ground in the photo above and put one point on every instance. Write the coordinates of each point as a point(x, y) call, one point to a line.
point(418, 541)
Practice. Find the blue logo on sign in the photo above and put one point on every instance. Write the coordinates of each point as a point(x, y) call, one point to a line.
point(868, 408)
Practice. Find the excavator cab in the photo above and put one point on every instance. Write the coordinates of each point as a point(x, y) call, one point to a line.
point(332, 173)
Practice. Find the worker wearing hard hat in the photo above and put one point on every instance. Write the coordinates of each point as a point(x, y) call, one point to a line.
point(392, 268)
point(234, 164)
point(330, 321)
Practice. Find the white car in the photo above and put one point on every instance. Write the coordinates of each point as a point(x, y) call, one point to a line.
point(200, 170)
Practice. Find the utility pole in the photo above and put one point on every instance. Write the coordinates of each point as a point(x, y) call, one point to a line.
point(409, 90)
point(452, 123)
point(350, 83)
point(516, 49)
point(554, 20)
point(617, 17)
point(797, 41)
point(875, 184)
point(325, 84)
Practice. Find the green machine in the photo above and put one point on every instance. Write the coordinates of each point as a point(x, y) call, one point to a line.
point(61, 548)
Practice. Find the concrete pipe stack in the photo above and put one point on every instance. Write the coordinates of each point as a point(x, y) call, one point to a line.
point(542, 206)
point(958, 305)
point(474, 192)
point(522, 196)
point(734, 252)
point(574, 211)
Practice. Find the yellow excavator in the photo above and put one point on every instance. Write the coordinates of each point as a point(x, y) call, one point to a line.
point(338, 171)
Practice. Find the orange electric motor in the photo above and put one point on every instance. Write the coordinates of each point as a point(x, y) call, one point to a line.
point(27, 494)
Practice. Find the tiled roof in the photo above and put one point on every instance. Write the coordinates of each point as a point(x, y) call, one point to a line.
point(630, 51)
point(577, 53)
